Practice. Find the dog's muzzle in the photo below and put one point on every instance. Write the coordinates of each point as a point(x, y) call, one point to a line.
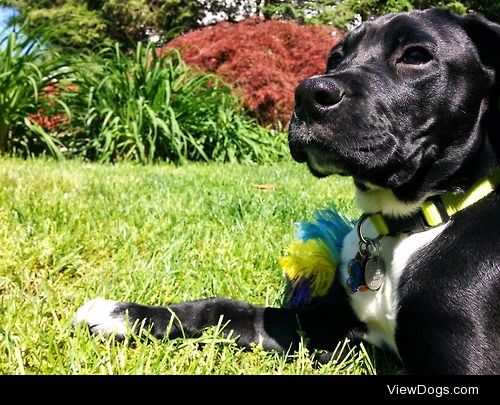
point(314, 98)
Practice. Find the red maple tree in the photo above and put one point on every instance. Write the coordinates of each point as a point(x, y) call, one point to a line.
point(264, 60)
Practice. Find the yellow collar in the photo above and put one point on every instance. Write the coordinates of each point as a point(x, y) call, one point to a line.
point(437, 209)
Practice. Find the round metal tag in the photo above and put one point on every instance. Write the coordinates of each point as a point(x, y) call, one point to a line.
point(374, 273)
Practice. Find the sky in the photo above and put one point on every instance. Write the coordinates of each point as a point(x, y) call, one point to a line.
point(5, 14)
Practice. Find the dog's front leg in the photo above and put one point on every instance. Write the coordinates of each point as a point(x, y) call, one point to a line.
point(275, 328)
point(188, 319)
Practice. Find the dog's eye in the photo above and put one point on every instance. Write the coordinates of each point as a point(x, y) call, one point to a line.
point(334, 61)
point(416, 55)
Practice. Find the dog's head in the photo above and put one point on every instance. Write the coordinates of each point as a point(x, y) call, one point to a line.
point(409, 103)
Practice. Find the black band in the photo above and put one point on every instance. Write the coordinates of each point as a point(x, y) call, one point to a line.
point(415, 223)
point(438, 203)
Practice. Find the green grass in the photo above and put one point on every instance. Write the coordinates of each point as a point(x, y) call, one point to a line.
point(161, 234)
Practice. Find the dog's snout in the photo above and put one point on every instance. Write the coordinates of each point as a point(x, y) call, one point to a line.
point(316, 96)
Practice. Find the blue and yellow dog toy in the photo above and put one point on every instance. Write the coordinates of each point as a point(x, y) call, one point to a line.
point(312, 259)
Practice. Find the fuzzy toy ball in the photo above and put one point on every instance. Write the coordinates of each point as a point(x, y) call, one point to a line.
point(311, 260)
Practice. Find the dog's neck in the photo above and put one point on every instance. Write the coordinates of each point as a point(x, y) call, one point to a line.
point(373, 199)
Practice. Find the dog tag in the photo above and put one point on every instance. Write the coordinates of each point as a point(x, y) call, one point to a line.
point(374, 272)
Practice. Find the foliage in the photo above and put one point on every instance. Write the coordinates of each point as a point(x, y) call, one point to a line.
point(147, 107)
point(89, 22)
point(113, 105)
point(214, 11)
point(126, 21)
point(489, 8)
point(78, 27)
point(264, 59)
point(27, 67)
point(342, 13)
point(177, 14)
point(155, 235)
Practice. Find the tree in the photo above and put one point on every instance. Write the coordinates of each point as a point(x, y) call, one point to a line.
point(87, 23)
point(77, 25)
point(341, 13)
point(84, 24)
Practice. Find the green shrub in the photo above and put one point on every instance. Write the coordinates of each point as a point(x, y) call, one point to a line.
point(27, 67)
point(115, 106)
point(147, 107)
point(78, 26)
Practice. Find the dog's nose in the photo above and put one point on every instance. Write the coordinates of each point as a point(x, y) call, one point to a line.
point(316, 96)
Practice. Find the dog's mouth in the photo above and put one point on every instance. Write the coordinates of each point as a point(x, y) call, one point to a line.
point(328, 154)
point(322, 159)
point(320, 162)
point(304, 148)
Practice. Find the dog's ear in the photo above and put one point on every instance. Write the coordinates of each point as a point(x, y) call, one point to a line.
point(486, 37)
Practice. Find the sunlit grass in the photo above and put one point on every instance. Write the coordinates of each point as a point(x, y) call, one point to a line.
point(159, 234)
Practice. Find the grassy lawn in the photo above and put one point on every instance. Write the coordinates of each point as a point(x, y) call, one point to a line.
point(159, 234)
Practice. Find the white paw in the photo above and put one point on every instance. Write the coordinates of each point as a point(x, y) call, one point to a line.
point(102, 318)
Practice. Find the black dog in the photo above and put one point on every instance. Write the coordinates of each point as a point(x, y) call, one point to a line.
point(409, 108)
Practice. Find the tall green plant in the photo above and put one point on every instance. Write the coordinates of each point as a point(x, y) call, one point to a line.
point(27, 65)
point(148, 107)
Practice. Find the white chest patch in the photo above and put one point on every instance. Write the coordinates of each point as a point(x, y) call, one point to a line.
point(378, 309)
